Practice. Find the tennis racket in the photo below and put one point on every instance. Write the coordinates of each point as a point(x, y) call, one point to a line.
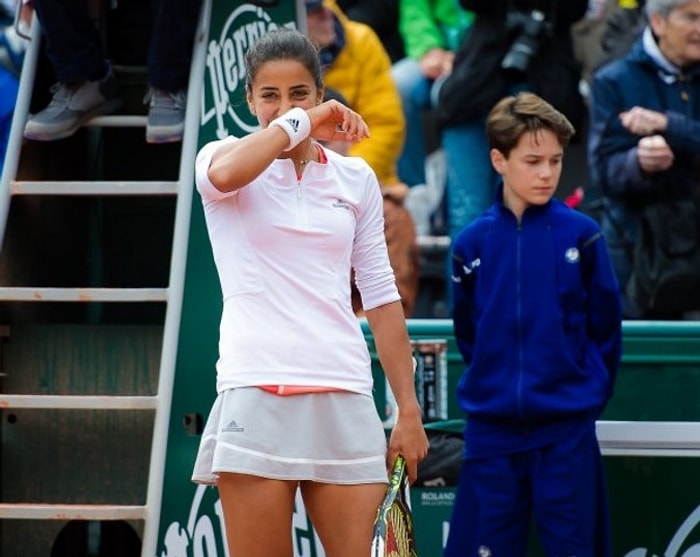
point(393, 526)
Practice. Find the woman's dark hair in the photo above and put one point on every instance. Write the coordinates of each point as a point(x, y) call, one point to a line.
point(283, 44)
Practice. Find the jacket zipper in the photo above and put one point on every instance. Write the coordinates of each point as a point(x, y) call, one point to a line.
point(518, 297)
point(300, 208)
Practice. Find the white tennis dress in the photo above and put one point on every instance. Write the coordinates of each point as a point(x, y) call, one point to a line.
point(283, 247)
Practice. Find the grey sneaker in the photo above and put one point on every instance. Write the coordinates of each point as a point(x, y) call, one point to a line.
point(71, 107)
point(166, 115)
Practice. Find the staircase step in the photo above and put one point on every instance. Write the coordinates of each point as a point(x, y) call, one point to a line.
point(78, 402)
point(47, 511)
point(118, 121)
point(48, 187)
point(39, 294)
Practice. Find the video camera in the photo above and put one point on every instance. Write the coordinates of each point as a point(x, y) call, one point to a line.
point(530, 27)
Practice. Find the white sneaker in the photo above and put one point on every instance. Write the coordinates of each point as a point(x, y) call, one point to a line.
point(71, 107)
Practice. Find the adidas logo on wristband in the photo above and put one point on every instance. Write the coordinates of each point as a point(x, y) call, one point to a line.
point(294, 123)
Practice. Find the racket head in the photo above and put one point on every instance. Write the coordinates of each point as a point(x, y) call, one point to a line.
point(393, 525)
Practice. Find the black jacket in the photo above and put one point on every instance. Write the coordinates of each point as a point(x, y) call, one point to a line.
point(478, 81)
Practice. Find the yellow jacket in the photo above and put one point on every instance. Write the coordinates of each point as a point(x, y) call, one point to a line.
point(362, 74)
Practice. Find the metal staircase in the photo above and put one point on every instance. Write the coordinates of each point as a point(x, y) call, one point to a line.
point(158, 404)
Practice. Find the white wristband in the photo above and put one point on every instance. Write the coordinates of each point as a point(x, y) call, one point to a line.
point(296, 125)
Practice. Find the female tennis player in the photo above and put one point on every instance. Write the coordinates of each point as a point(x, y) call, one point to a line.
point(288, 220)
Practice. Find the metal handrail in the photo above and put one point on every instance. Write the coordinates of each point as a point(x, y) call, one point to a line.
point(19, 119)
point(171, 333)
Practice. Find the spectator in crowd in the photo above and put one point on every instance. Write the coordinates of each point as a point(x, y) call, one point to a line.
point(431, 32)
point(606, 33)
point(87, 85)
point(383, 17)
point(622, 27)
point(587, 34)
point(512, 45)
point(644, 138)
point(358, 68)
point(535, 276)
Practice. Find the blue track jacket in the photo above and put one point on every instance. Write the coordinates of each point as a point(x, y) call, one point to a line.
point(537, 319)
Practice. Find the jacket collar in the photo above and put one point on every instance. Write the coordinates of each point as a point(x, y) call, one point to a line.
point(533, 211)
point(646, 50)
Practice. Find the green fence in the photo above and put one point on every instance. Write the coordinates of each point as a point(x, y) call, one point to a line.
point(650, 435)
point(659, 378)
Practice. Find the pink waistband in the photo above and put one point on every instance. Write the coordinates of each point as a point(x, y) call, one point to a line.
point(284, 390)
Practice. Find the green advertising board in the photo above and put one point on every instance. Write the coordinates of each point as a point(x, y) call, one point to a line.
point(649, 434)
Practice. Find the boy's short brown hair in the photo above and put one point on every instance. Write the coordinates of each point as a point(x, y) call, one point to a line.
point(525, 112)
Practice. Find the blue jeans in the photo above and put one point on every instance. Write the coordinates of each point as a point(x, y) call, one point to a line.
point(416, 93)
point(74, 44)
point(471, 179)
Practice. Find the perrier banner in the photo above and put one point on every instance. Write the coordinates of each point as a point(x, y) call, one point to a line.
point(234, 26)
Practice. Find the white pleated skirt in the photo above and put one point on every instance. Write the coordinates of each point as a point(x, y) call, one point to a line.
point(331, 437)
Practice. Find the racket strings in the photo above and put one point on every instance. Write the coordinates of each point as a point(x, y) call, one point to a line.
point(398, 539)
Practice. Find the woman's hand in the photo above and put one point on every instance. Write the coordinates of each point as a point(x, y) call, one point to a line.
point(408, 437)
point(333, 121)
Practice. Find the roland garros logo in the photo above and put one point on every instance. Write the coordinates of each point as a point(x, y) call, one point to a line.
point(225, 80)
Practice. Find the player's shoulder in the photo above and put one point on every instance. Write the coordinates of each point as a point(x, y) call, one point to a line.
point(208, 149)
